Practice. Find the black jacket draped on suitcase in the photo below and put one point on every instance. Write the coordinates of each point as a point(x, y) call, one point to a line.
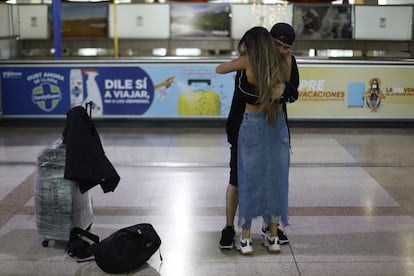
point(86, 161)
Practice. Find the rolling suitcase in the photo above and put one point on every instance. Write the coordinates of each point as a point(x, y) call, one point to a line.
point(59, 204)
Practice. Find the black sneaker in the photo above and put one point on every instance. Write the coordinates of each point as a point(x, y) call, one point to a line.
point(227, 238)
point(283, 239)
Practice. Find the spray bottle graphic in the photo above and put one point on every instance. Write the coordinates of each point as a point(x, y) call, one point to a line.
point(76, 87)
point(163, 92)
point(93, 93)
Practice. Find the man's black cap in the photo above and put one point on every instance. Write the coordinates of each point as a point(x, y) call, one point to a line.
point(283, 32)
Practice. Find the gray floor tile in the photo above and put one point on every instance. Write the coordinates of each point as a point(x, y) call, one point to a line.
point(351, 203)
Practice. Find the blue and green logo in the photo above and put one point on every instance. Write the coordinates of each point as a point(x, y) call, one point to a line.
point(46, 96)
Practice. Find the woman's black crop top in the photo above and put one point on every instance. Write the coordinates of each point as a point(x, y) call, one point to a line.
point(248, 92)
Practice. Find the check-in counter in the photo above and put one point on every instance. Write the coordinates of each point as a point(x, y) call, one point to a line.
point(189, 88)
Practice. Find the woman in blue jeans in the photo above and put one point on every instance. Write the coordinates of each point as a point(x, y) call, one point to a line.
point(263, 146)
point(283, 36)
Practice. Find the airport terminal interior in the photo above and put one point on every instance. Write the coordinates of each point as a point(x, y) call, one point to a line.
point(351, 201)
point(351, 187)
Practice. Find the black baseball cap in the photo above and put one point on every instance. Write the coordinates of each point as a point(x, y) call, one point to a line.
point(283, 32)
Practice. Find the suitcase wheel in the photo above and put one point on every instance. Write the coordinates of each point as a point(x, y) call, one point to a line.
point(45, 243)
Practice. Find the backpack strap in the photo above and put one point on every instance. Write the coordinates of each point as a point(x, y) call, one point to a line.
point(76, 231)
point(81, 243)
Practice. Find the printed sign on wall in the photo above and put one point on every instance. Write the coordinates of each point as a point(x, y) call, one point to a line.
point(354, 91)
point(326, 91)
point(323, 21)
point(152, 90)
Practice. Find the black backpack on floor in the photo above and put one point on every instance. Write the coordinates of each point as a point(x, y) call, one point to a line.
point(123, 251)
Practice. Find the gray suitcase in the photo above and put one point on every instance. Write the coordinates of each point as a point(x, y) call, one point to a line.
point(59, 205)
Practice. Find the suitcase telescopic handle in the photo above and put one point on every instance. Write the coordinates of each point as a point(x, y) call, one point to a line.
point(191, 81)
point(203, 81)
point(89, 104)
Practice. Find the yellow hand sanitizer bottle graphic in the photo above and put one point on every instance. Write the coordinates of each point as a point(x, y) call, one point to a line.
point(93, 92)
point(199, 101)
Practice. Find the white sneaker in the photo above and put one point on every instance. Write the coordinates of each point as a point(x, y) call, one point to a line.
point(271, 243)
point(245, 246)
point(282, 238)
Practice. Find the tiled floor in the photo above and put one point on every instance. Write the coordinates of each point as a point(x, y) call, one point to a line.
point(351, 202)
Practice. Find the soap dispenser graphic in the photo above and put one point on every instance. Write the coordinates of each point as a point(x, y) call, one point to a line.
point(76, 87)
point(92, 91)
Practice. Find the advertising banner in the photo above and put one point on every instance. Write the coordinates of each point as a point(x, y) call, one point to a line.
point(200, 20)
point(354, 91)
point(182, 90)
point(84, 20)
point(194, 90)
point(323, 21)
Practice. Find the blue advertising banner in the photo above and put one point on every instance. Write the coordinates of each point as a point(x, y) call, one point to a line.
point(192, 89)
point(150, 90)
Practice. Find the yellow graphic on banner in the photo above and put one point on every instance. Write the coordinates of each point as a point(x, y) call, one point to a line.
point(199, 103)
point(199, 100)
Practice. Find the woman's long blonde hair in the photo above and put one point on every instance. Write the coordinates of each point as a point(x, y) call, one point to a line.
point(268, 67)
